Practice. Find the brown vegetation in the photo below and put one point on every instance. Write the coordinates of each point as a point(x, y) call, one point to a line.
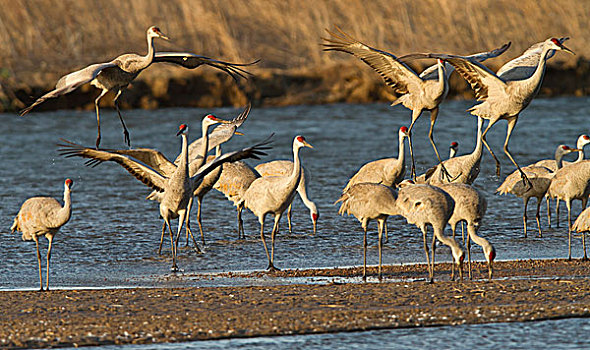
point(42, 40)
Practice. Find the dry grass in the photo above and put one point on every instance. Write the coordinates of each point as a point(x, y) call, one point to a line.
point(48, 37)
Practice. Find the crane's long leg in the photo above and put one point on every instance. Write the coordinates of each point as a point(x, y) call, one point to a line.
point(453, 229)
point(365, 253)
point(568, 204)
point(524, 217)
point(426, 252)
point(538, 217)
point(50, 239)
point(289, 217)
point(556, 212)
point(470, 228)
point(381, 224)
point(162, 238)
point(485, 142)
point(104, 92)
point(261, 219)
point(39, 261)
point(415, 116)
point(433, 253)
point(125, 131)
point(199, 202)
point(433, 115)
point(174, 267)
point(240, 223)
point(511, 124)
point(385, 232)
point(548, 210)
point(188, 227)
point(272, 240)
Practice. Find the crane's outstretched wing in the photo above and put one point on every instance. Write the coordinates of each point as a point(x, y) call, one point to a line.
point(523, 66)
point(141, 172)
point(191, 61)
point(401, 78)
point(253, 152)
point(431, 73)
point(482, 80)
point(71, 82)
point(222, 133)
point(151, 157)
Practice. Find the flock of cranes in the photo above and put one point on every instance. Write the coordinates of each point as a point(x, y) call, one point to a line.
point(442, 195)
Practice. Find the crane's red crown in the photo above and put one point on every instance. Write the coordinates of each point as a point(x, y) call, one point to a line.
point(69, 182)
point(586, 137)
point(454, 144)
point(315, 216)
point(403, 129)
point(555, 41)
point(212, 117)
point(300, 138)
point(565, 148)
point(182, 127)
point(492, 255)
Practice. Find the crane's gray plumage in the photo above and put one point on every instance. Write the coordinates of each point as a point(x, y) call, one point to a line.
point(470, 206)
point(540, 178)
point(273, 194)
point(178, 186)
point(570, 183)
point(235, 179)
point(423, 204)
point(582, 225)
point(503, 97)
point(366, 202)
point(284, 168)
point(463, 169)
point(43, 216)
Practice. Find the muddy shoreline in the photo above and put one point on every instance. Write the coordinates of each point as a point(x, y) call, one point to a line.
point(347, 82)
point(527, 290)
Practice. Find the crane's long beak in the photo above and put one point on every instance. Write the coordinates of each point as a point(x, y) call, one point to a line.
point(238, 133)
point(162, 36)
point(490, 269)
point(307, 144)
point(575, 149)
point(564, 48)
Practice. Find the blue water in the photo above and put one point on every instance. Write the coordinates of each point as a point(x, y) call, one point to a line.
point(559, 334)
point(113, 236)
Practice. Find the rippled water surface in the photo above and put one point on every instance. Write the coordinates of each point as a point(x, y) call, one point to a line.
point(560, 334)
point(113, 236)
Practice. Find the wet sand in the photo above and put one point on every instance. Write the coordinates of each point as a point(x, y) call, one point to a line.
point(525, 290)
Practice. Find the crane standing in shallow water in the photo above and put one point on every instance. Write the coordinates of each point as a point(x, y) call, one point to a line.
point(419, 93)
point(43, 216)
point(273, 194)
point(506, 93)
point(177, 186)
point(118, 73)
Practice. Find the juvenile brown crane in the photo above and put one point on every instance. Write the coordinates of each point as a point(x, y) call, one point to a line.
point(419, 93)
point(118, 73)
point(273, 194)
point(43, 216)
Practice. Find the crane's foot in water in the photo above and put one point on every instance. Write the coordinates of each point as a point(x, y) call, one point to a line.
point(174, 268)
point(272, 268)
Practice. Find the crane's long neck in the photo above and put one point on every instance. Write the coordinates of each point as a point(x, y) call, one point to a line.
point(580, 146)
point(183, 166)
point(442, 80)
point(204, 146)
point(149, 57)
point(455, 248)
point(302, 189)
point(401, 158)
point(296, 172)
point(66, 210)
point(477, 152)
point(484, 243)
point(537, 78)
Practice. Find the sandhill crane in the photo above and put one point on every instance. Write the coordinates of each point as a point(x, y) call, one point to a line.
point(284, 168)
point(235, 179)
point(423, 204)
point(540, 178)
point(177, 186)
point(118, 73)
point(582, 225)
point(453, 149)
point(470, 207)
point(419, 93)
point(369, 201)
point(569, 183)
point(43, 216)
point(463, 169)
point(551, 164)
point(273, 194)
point(508, 92)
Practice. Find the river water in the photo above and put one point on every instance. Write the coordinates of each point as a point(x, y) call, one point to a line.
point(113, 236)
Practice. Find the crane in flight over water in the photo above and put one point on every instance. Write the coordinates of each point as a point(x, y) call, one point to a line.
point(509, 91)
point(419, 93)
point(118, 73)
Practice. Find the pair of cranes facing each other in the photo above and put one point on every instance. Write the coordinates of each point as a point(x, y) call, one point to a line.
point(117, 74)
point(421, 205)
